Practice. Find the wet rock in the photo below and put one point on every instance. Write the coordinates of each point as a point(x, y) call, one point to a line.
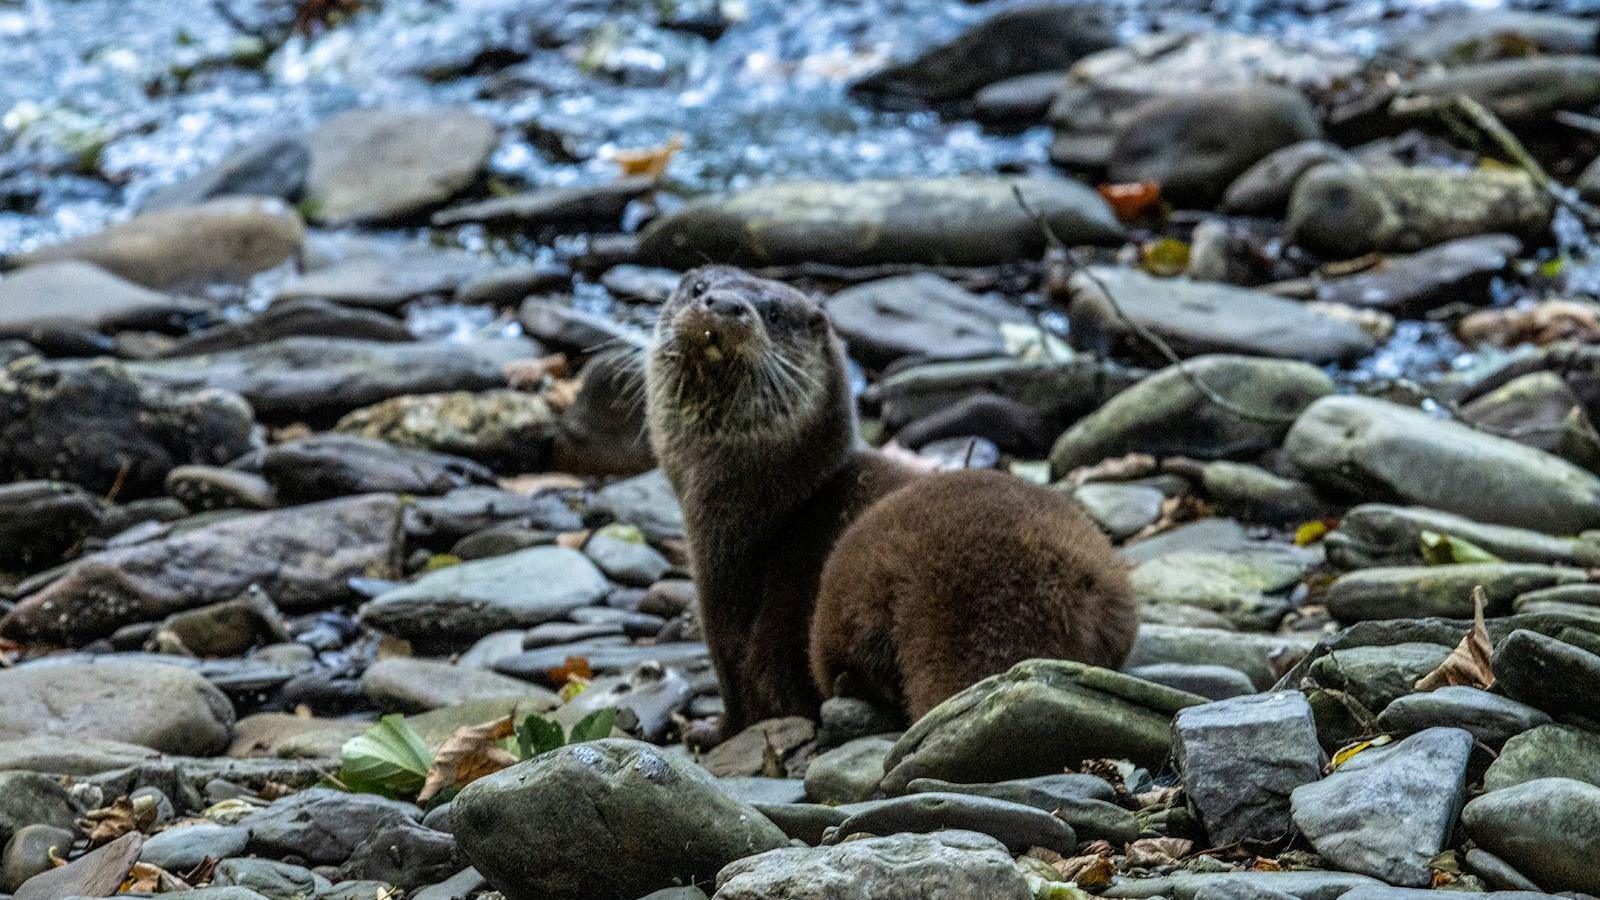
point(1014, 42)
point(656, 821)
point(377, 166)
point(98, 873)
point(588, 205)
point(32, 800)
point(1544, 828)
point(1452, 272)
point(1305, 885)
point(1240, 759)
point(1046, 714)
point(182, 848)
point(1060, 389)
point(202, 488)
point(229, 628)
point(1197, 317)
point(647, 501)
point(567, 327)
point(336, 465)
point(919, 315)
point(492, 427)
point(943, 866)
point(1416, 592)
point(157, 706)
point(475, 598)
point(1377, 676)
point(54, 304)
point(28, 852)
point(384, 283)
point(1017, 826)
point(848, 773)
point(1344, 211)
point(1120, 509)
point(1257, 495)
point(84, 756)
point(1020, 100)
point(301, 557)
point(622, 554)
point(845, 719)
point(952, 221)
point(1167, 416)
point(41, 521)
point(1009, 425)
point(441, 521)
point(1210, 682)
point(402, 853)
point(1518, 91)
point(141, 432)
point(1264, 188)
point(399, 684)
point(293, 318)
point(1553, 675)
point(747, 752)
point(647, 699)
point(1258, 656)
point(1378, 450)
point(318, 377)
point(1081, 801)
point(274, 167)
point(1490, 718)
point(1194, 144)
point(321, 825)
point(1388, 811)
point(506, 285)
point(1546, 751)
point(1485, 34)
point(1377, 534)
point(1531, 409)
point(1246, 586)
point(224, 240)
point(270, 879)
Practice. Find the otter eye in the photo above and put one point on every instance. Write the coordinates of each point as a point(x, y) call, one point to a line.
point(698, 288)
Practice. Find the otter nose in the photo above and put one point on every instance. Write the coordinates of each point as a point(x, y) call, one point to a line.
point(725, 305)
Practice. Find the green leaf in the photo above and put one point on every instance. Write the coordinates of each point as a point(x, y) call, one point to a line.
point(389, 758)
point(1445, 550)
point(594, 726)
point(537, 735)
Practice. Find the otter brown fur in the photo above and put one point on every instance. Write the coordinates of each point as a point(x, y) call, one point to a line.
point(824, 566)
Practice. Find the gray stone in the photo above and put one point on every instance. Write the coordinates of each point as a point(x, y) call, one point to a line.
point(647, 501)
point(162, 707)
point(621, 552)
point(1240, 759)
point(401, 684)
point(379, 282)
point(380, 166)
point(1022, 100)
point(1208, 681)
point(301, 557)
point(585, 205)
point(1120, 509)
point(270, 879)
point(1491, 718)
point(947, 865)
point(325, 377)
point(1167, 416)
point(141, 432)
point(321, 825)
point(656, 820)
point(919, 315)
point(1264, 188)
point(1547, 751)
point(1018, 826)
point(1450, 272)
point(761, 791)
point(335, 465)
point(1259, 656)
point(846, 718)
point(1377, 676)
point(182, 848)
point(1479, 33)
point(402, 853)
point(1257, 495)
point(1417, 592)
point(1379, 450)
point(951, 221)
point(475, 598)
point(72, 296)
point(229, 628)
point(1553, 675)
point(1546, 828)
point(1518, 91)
point(98, 873)
point(84, 756)
point(648, 699)
point(1496, 871)
point(1045, 714)
point(224, 240)
point(42, 522)
point(1198, 317)
point(1187, 885)
point(1081, 801)
point(1245, 586)
point(1195, 143)
point(1372, 892)
point(492, 427)
point(849, 773)
point(28, 798)
point(459, 886)
point(203, 488)
point(274, 167)
point(29, 852)
point(1388, 811)
point(1377, 534)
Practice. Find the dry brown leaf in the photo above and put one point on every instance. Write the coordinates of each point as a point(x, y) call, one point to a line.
point(468, 755)
point(1163, 851)
point(1131, 200)
point(1548, 322)
point(1089, 871)
point(145, 878)
point(648, 161)
point(562, 393)
point(1159, 798)
point(1469, 662)
point(1263, 864)
point(1122, 468)
point(537, 483)
point(574, 667)
point(573, 540)
point(1175, 511)
point(123, 815)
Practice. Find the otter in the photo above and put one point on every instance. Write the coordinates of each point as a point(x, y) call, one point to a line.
point(824, 567)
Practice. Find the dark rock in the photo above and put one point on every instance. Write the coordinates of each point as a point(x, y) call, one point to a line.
point(1023, 99)
point(647, 501)
point(1456, 271)
point(162, 707)
point(321, 825)
point(1210, 682)
point(1017, 826)
point(1241, 759)
point(336, 465)
point(1490, 718)
point(848, 773)
point(32, 800)
point(1377, 676)
point(441, 521)
point(51, 303)
point(1544, 828)
point(405, 854)
point(293, 318)
point(919, 315)
point(588, 205)
point(270, 879)
point(29, 852)
point(273, 167)
point(1012, 426)
point(98, 873)
point(382, 282)
point(1082, 801)
point(401, 684)
point(1547, 751)
point(203, 488)
point(1416, 592)
point(1553, 675)
point(1264, 188)
point(41, 521)
point(182, 848)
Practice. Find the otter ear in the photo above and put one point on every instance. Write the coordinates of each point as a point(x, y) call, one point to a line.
point(817, 319)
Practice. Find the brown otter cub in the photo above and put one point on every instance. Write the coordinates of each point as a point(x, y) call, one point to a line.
point(824, 567)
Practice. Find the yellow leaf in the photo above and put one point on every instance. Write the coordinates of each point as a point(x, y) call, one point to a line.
point(1165, 258)
point(1309, 533)
point(1348, 753)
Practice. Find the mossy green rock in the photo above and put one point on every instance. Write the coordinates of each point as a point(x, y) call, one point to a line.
point(1549, 751)
point(1035, 719)
point(1415, 592)
point(1546, 829)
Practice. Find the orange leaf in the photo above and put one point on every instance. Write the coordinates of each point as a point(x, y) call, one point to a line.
point(468, 755)
point(1132, 200)
point(649, 161)
point(574, 667)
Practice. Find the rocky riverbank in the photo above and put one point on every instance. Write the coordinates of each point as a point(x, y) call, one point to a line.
point(333, 564)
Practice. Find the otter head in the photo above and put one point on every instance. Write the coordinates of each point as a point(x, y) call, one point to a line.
point(738, 357)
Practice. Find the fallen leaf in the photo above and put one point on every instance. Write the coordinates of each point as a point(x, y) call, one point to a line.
point(527, 374)
point(467, 755)
point(108, 823)
point(1348, 753)
point(1090, 871)
point(573, 540)
point(538, 483)
point(1132, 200)
point(1175, 511)
point(1469, 663)
point(1445, 550)
point(1310, 532)
point(574, 686)
point(574, 667)
point(1122, 468)
point(1263, 864)
point(1164, 258)
point(648, 161)
point(1544, 323)
point(1148, 853)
